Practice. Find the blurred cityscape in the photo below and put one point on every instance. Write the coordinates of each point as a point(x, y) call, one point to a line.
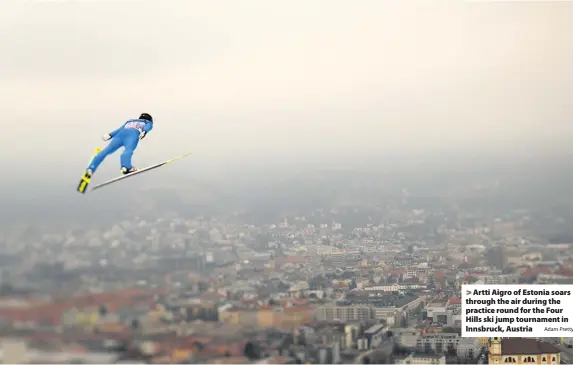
point(362, 283)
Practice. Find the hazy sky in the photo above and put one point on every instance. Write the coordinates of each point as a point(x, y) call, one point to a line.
point(299, 79)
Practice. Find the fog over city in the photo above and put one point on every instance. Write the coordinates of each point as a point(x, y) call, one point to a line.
point(264, 91)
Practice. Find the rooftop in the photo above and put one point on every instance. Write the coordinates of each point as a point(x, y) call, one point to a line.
point(527, 346)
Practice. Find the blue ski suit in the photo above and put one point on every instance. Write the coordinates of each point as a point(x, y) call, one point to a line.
point(126, 136)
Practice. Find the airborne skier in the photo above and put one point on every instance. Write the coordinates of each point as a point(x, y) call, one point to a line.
point(127, 136)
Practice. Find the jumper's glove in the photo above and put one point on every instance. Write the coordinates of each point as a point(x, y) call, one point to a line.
point(106, 137)
point(142, 134)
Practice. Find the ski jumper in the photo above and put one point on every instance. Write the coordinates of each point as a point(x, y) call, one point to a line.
point(126, 136)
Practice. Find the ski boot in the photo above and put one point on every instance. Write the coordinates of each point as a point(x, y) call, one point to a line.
point(125, 170)
point(85, 181)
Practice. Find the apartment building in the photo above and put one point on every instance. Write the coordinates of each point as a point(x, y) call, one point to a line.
point(437, 342)
point(347, 313)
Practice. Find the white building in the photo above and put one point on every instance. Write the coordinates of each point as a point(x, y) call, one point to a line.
point(344, 313)
point(409, 339)
point(421, 359)
point(469, 347)
point(438, 342)
point(394, 287)
point(500, 279)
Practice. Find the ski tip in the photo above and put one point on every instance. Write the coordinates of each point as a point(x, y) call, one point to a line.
point(179, 157)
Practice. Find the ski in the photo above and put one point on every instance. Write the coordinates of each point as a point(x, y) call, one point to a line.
point(148, 168)
point(85, 180)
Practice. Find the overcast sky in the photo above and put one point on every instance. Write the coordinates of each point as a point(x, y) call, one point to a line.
point(252, 80)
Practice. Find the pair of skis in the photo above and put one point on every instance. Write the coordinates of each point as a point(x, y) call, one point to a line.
point(86, 180)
